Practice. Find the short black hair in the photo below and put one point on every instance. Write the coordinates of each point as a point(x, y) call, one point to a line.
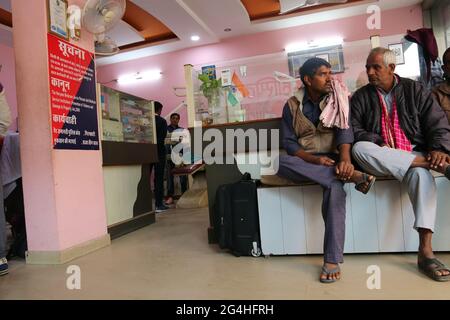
point(445, 54)
point(158, 106)
point(310, 67)
point(175, 114)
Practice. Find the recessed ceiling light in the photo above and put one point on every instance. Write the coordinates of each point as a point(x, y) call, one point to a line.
point(195, 38)
point(227, 30)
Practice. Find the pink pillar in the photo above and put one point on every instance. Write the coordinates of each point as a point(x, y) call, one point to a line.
point(63, 189)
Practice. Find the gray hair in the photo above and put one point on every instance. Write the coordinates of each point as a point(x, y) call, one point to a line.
point(388, 55)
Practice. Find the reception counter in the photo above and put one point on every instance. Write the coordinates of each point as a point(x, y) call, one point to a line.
point(218, 174)
point(129, 149)
point(128, 196)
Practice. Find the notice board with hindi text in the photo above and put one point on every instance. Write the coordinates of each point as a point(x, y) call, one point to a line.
point(73, 96)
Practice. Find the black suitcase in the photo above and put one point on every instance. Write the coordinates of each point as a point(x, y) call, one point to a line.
point(236, 217)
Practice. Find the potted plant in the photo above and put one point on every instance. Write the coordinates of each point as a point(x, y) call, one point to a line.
point(211, 89)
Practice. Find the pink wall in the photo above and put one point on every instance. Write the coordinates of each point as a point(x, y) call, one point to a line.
point(8, 79)
point(171, 64)
point(64, 193)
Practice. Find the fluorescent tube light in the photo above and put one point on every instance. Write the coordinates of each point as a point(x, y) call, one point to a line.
point(140, 76)
point(314, 44)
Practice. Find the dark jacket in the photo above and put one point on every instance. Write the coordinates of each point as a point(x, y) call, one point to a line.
point(161, 133)
point(442, 95)
point(421, 118)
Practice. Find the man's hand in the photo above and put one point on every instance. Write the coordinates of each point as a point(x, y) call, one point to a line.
point(438, 159)
point(344, 170)
point(323, 161)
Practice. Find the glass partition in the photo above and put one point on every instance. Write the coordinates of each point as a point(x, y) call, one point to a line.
point(126, 118)
point(257, 87)
point(250, 90)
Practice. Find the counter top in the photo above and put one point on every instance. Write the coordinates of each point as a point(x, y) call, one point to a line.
point(240, 123)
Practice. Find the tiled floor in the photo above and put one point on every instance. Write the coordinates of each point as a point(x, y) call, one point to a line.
point(172, 260)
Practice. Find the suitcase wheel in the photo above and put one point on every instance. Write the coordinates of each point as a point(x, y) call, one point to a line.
point(256, 253)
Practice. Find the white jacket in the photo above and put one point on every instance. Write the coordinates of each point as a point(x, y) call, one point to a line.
point(5, 114)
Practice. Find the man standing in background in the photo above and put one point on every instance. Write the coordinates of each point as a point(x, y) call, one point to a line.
point(174, 121)
point(161, 133)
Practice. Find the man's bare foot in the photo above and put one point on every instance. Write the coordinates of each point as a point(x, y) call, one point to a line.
point(330, 273)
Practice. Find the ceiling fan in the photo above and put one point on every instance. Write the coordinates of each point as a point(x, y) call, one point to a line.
point(291, 5)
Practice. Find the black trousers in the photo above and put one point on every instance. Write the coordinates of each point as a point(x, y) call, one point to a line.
point(171, 182)
point(159, 180)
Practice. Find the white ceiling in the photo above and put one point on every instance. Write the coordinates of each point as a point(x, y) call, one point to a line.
point(209, 18)
point(124, 34)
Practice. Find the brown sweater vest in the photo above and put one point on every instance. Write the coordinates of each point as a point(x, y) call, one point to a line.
point(311, 138)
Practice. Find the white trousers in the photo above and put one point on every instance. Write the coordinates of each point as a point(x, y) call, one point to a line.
point(420, 183)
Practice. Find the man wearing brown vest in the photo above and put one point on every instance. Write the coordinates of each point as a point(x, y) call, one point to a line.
point(321, 153)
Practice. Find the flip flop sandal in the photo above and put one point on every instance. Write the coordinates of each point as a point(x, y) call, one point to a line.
point(328, 272)
point(365, 178)
point(429, 268)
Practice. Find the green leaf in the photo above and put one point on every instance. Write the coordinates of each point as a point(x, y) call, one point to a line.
point(204, 78)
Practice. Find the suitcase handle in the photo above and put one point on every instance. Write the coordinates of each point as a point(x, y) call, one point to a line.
point(246, 177)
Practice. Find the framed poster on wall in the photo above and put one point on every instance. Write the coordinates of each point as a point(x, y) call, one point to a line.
point(210, 71)
point(324, 56)
point(397, 48)
point(57, 18)
point(334, 55)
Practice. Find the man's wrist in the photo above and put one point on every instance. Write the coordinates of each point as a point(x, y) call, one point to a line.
point(308, 157)
point(344, 153)
point(345, 159)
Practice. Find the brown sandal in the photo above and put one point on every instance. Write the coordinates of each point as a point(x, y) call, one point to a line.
point(365, 178)
point(430, 266)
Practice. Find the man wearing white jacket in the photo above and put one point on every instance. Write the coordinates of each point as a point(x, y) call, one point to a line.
point(5, 121)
